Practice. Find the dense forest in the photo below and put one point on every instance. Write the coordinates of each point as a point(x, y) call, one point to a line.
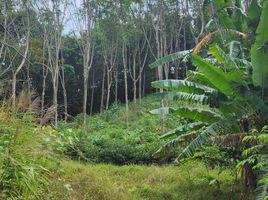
point(133, 99)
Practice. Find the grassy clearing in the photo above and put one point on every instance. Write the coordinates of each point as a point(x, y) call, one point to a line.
point(77, 181)
point(33, 163)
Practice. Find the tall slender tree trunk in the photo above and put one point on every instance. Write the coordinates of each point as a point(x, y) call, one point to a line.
point(45, 73)
point(65, 98)
point(116, 85)
point(85, 98)
point(126, 82)
point(5, 29)
point(92, 100)
point(55, 99)
point(88, 55)
point(134, 82)
point(140, 89)
point(27, 43)
point(14, 80)
point(109, 84)
point(62, 78)
point(103, 89)
point(29, 86)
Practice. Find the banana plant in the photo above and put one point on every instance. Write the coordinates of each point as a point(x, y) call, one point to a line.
point(219, 101)
point(224, 99)
point(259, 51)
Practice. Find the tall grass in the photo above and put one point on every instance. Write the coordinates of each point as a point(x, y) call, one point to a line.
point(25, 153)
point(77, 181)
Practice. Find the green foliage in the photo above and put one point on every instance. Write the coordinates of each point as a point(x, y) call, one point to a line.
point(115, 145)
point(183, 128)
point(256, 156)
point(216, 76)
point(172, 57)
point(25, 161)
point(260, 50)
point(231, 102)
point(107, 140)
point(182, 86)
point(191, 180)
point(212, 156)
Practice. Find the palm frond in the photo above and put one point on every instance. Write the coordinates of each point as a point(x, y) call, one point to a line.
point(184, 96)
point(201, 139)
point(160, 111)
point(259, 51)
point(183, 128)
point(216, 76)
point(175, 142)
point(172, 57)
point(198, 77)
point(200, 114)
point(182, 86)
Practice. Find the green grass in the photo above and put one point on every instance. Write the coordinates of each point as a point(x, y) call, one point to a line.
point(42, 170)
point(78, 181)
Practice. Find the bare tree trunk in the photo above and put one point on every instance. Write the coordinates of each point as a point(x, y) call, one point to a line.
point(14, 76)
point(55, 100)
point(45, 73)
point(29, 85)
point(92, 99)
point(65, 99)
point(5, 29)
point(134, 81)
point(85, 98)
point(62, 79)
point(140, 89)
point(103, 89)
point(126, 84)
point(14, 80)
point(109, 84)
point(88, 54)
point(135, 94)
point(116, 85)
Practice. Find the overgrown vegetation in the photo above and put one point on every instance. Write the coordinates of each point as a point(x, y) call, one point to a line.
point(26, 157)
point(209, 113)
point(108, 182)
point(108, 140)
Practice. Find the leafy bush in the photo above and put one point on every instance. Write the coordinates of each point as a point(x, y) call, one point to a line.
point(117, 146)
point(107, 139)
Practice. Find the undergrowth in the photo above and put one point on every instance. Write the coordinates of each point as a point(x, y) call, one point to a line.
point(191, 180)
point(108, 140)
